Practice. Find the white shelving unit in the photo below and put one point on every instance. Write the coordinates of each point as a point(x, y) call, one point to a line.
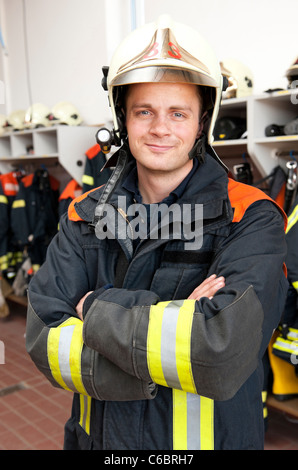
point(64, 145)
point(260, 111)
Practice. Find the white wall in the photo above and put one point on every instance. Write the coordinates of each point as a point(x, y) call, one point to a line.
point(70, 40)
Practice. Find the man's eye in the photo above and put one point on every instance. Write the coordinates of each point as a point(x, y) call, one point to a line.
point(178, 115)
point(143, 112)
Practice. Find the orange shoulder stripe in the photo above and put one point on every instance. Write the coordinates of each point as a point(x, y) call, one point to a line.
point(93, 151)
point(242, 196)
point(72, 213)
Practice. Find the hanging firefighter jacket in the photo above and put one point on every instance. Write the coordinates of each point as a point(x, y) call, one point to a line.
point(10, 256)
point(94, 175)
point(34, 215)
point(137, 384)
point(285, 345)
point(71, 191)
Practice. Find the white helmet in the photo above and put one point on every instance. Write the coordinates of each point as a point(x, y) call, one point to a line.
point(3, 124)
point(240, 79)
point(16, 120)
point(65, 113)
point(164, 51)
point(37, 116)
point(292, 73)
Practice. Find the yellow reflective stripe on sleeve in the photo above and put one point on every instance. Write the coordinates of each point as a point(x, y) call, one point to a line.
point(183, 336)
point(292, 219)
point(193, 422)
point(86, 179)
point(85, 413)
point(154, 343)
point(169, 344)
point(3, 199)
point(65, 345)
point(18, 203)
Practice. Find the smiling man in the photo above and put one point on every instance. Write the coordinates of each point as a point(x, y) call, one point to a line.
point(162, 342)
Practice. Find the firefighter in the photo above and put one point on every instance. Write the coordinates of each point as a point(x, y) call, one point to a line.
point(158, 323)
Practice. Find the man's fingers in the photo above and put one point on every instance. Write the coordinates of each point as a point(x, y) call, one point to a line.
point(208, 287)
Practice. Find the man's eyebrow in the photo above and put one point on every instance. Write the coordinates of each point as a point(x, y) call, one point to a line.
point(148, 105)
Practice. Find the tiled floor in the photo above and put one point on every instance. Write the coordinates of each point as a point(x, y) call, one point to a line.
point(33, 413)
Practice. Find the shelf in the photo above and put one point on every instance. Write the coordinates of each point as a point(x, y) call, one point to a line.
point(66, 145)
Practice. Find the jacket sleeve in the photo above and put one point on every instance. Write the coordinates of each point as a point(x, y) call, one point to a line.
point(54, 332)
point(208, 347)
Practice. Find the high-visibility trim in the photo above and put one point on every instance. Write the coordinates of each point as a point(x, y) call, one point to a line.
point(154, 343)
point(64, 347)
point(292, 219)
point(193, 421)
point(3, 199)
point(3, 262)
point(292, 334)
point(295, 285)
point(93, 151)
point(86, 179)
point(183, 336)
point(72, 213)
point(286, 345)
point(18, 203)
point(85, 413)
point(169, 344)
point(242, 196)
point(264, 400)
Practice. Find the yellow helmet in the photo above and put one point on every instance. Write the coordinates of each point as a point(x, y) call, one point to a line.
point(163, 51)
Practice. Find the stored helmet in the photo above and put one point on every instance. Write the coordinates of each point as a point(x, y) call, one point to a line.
point(3, 124)
point(292, 73)
point(16, 120)
point(37, 116)
point(65, 113)
point(240, 79)
point(164, 51)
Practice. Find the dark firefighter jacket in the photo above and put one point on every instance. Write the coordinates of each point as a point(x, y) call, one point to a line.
point(34, 215)
point(151, 369)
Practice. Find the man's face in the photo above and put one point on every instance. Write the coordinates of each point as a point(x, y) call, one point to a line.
point(162, 121)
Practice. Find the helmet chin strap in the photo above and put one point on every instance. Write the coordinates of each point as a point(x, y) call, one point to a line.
point(199, 149)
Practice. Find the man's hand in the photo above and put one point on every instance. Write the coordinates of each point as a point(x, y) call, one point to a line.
point(79, 307)
point(208, 288)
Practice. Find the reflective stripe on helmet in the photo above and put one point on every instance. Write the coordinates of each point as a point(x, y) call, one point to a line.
point(64, 349)
point(193, 422)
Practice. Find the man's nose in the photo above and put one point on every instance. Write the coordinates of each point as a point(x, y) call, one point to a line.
point(160, 125)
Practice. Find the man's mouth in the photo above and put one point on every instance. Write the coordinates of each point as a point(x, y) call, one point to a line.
point(159, 148)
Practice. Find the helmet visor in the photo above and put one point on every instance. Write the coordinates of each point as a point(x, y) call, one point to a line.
point(151, 74)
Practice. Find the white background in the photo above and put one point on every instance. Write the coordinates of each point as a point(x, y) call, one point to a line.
point(68, 42)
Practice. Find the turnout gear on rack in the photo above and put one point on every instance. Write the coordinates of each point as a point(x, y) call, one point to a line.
point(122, 350)
point(284, 347)
point(10, 255)
point(71, 191)
point(34, 215)
point(94, 174)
